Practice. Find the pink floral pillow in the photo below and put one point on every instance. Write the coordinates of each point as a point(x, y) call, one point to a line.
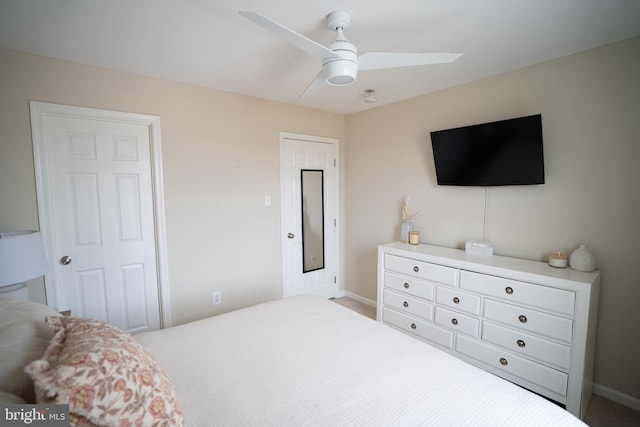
point(105, 377)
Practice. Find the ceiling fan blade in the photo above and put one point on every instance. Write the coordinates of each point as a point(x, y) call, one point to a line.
point(315, 85)
point(379, 60)
point(298, 40)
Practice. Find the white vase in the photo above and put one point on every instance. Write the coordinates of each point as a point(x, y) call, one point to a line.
point(582, 259)
point(405, 228)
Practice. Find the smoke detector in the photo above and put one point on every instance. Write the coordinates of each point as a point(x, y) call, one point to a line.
point(368, 96)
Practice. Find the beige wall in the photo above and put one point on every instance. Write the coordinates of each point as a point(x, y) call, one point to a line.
point(590, 105)
point(221, 157)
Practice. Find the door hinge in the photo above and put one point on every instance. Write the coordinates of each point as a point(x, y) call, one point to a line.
point(334, 162)
point(335, 280)
point(335, 223)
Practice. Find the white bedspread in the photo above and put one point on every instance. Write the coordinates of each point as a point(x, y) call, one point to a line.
point(308, 361)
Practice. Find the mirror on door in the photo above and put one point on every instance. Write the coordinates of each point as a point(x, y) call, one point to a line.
point(312, 191)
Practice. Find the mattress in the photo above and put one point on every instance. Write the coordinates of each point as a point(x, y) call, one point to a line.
point(306, 361)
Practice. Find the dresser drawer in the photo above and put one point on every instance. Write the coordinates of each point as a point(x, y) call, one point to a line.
point(522, 343)
point(458, 300)
point(417, 327)
point(423, 270)
point(557, 300)
point(529, 320)
point(407, 304)
point(409, 285)
point(544, 376)
point(457, 321)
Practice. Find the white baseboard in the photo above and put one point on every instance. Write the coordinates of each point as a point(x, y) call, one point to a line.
point(616, 396)
point(358, 298)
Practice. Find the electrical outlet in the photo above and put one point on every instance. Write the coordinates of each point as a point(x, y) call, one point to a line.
point(217, 297)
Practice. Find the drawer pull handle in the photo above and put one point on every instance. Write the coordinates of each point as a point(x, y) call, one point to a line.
point(508, 290)
point(413, 326)
point(456, 300)
point(416, 268)
point(406, 285)
point(522, 318)
point(454, 321)
point(405, 304)
point(503, 361)
point(521, 343)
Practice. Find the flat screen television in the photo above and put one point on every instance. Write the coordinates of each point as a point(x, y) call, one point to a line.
point(506, 152)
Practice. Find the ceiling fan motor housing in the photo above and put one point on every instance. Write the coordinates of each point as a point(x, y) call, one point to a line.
point(343, 70)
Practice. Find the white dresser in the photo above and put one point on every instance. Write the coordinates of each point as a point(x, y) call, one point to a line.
point(523, 320)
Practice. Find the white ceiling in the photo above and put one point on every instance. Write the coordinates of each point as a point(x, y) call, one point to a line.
point(207, 43)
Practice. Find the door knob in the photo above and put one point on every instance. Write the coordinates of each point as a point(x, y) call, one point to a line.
point(290, 236)
point(65, 260)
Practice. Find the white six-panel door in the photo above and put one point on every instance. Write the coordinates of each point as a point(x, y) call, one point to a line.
point(102, 220)
point(305, 152)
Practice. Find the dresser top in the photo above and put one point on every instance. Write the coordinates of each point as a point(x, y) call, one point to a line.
point(516, 268)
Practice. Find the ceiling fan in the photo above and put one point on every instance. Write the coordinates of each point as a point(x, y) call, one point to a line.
point(340, 60)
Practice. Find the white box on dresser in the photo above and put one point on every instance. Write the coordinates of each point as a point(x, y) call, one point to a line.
point(523, 320)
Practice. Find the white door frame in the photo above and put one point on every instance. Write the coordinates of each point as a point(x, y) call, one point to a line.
point(283, 225)
point(39, 112)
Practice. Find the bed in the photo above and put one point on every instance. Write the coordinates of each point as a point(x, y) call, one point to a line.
point(296, 361)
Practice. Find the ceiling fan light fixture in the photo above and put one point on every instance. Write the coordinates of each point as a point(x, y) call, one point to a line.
point(341, 72)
